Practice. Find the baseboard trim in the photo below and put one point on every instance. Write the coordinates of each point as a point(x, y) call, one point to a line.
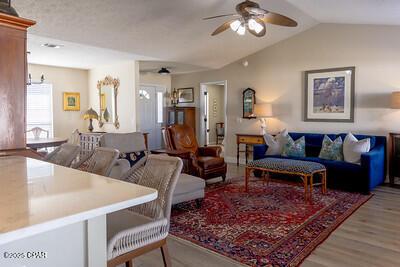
point(233, 160)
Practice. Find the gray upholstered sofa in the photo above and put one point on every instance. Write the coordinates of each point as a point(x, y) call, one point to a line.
point(131, 145)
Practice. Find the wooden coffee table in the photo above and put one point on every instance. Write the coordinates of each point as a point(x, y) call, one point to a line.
point(304, 169)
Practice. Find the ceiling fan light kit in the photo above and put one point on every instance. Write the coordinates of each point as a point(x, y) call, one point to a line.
point(253, 19)
point(164, 71)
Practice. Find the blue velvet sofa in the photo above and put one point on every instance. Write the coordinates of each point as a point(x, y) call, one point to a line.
point(343, 175)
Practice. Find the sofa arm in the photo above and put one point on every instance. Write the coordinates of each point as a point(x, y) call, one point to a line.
point(210, 151)
point(259, 151)
point(373, 164)
point(120, 168)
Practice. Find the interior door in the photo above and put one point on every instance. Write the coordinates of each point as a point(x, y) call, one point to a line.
point(151, 108)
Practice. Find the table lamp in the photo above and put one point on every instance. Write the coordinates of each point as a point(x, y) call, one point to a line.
point(395, 100)
point(263, 111)
point(90, 114)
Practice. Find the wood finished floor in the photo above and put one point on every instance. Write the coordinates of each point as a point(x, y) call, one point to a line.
point(369, 237)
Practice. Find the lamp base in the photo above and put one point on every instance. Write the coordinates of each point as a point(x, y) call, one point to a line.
point(90, 125)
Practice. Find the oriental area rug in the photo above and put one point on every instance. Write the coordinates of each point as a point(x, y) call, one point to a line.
point(271, 225)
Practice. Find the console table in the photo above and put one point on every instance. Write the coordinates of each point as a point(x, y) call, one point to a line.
point(247, 140)
point(394, 157)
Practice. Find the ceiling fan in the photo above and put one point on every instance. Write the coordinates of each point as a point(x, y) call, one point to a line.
point(253, 18)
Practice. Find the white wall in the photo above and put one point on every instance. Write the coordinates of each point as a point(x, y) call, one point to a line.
point(128, 73)
point(64, 80)
point(155, 79)
point(277, 75)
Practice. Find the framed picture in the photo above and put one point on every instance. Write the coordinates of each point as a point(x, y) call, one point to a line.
point(329, 95)
point(72, 101)
point(249, 100)
point(185, 95)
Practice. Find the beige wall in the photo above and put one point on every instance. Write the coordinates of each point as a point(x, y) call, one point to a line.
point(128, 73)
point(276, 73)
point(216, 114)
point(64, 80)
point(149, 78)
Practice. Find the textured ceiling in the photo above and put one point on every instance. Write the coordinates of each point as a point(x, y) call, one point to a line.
point(173, 30)
point(173, 67)
point(382, 12)
point(73, 55)
point(170, 30)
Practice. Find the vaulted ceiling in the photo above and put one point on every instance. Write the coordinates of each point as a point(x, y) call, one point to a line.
point(173, 30)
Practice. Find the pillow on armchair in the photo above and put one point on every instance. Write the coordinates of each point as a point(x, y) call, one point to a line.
point(133, 157)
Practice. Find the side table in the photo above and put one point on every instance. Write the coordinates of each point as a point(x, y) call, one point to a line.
point(394, 157)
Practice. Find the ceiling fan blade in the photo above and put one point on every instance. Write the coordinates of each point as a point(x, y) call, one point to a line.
point(220, 16)
point(223, 27)
point(277, 19)
point(256, 11)
point(263, 32)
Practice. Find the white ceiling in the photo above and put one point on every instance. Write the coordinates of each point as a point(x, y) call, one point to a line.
point(381, 12)
point(74, 55)
point(170, 30)
point(95, 31)
point(173, 67)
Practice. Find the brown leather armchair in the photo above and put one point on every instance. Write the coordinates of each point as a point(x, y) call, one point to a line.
point(204, 162)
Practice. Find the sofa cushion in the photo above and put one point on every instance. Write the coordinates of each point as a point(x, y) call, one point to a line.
point(332, 150)
point(210, 162)
point(188, 183)
point(275, 143)
point(294, 148)
point(372, 139)
point(353, 148)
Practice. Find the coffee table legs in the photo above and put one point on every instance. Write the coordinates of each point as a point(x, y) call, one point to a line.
point(308, 182)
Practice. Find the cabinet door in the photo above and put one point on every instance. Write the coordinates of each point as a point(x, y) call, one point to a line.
point(180, 116)
point(171, 117)
point(396, 156)
point(12, 88)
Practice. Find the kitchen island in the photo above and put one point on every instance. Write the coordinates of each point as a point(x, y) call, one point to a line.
point(56, 216)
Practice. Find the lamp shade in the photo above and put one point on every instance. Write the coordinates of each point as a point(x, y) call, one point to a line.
point(395, 100)
point(91, 114)
point(263, 110)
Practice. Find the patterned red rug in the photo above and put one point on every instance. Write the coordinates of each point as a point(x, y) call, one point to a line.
point(269, 226)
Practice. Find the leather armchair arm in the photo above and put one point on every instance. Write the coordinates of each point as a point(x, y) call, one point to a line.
point(210, 151)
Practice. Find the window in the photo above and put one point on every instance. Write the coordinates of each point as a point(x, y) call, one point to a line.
point(144, 94)
point(160, 107)
point(39, 109)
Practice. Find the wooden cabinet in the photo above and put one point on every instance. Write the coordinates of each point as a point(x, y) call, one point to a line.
point(394, 157)
point(13, 73)
point(182, 115)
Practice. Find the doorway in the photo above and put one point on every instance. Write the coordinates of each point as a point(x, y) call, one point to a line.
point(213, 113)
point(151, 113)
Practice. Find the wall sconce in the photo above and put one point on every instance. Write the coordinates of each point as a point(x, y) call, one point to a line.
point(174, 97)
point(30, 82)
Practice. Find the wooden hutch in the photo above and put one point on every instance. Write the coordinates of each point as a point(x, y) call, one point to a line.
point(13, 73)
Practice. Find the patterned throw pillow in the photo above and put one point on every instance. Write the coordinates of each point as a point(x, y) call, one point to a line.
point(133, 157)
point(332, 150)
point(294, 148)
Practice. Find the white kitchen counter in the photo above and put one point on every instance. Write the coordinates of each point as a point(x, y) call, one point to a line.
point(37, 197)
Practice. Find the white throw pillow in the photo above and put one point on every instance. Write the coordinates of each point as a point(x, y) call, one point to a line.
point(275, 144)
point(353, 148)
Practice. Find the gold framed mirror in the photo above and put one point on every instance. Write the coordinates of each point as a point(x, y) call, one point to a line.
point(108, 92)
